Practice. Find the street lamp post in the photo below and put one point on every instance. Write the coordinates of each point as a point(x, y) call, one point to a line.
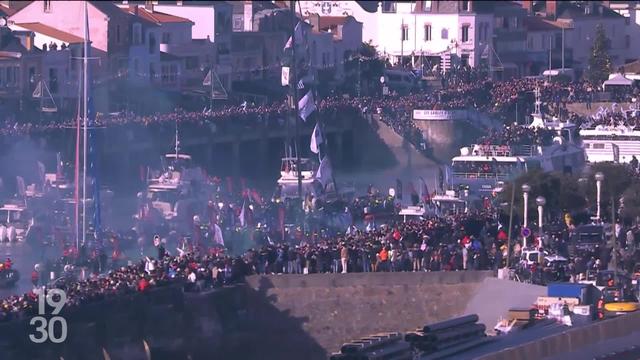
point(525, 195)
point(540, 201)
point(599, 178)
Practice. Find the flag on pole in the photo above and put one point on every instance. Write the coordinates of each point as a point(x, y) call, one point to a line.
point(616, 153)
point(243, 215)
point(299, 34)
point(425, 196)
point(306, 106)
point(284, 78)
point(316, 139)
point(325, 173)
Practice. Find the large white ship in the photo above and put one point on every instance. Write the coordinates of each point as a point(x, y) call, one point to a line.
point(480, 167)
point(611, 143)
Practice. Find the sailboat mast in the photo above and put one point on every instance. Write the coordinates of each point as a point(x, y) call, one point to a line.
point(177, 141)
point(294, 90)
point(85, 65)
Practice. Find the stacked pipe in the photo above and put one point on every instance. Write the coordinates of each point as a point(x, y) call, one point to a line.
point(449, 337)
point(385, 346)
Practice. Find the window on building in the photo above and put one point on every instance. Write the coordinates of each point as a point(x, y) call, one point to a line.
point(426, 6)
point(465, 33)
point(238, 22)
point(191, 62)
point(530, 43)
point(169, 73)
point(444, 34)
point(137, 34)
point(164, 73)
point(47, 6)
point(627, 41)
point(53, 80)
point(516, 23)
point(464, 59)
point(166, 38)
point(405, 32)
point(427, 32)
point(543, 42)
point(388, 6)
point(465, 6)
point(152, 43)
point(32, 77)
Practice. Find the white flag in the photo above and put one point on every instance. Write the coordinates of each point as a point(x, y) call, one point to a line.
point(217, 237)
point(316, 139)
point(284, 79)
point(243, 220)
point(306, 106)
point(325, 173)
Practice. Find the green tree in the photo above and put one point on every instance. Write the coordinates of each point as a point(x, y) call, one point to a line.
point(599, 61)
point(631, 204)
point(561, 191)
point(363, 68)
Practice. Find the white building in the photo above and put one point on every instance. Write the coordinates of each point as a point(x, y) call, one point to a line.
point(211, 22)
point(630, 10)
point(368, 18)
point(419, 31)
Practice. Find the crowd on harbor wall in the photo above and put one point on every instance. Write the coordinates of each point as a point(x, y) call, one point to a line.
point(266, 313)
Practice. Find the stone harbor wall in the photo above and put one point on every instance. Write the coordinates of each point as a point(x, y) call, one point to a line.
point(271, 317)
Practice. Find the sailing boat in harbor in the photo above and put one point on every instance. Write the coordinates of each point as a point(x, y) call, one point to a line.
point(86, 150)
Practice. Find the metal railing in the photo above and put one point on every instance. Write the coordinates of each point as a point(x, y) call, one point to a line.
point(480, 175)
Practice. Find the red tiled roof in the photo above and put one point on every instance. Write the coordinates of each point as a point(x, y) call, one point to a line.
point(52, 32)
point(536, 23)
point(155, 16)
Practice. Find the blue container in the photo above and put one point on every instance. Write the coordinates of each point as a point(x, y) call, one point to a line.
point(586, 293)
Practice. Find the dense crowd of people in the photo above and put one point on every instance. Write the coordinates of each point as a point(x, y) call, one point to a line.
point(194, 271)
point(474, 240)
point(461, 89)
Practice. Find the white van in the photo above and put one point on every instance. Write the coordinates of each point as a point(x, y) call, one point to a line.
point(401, 81)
